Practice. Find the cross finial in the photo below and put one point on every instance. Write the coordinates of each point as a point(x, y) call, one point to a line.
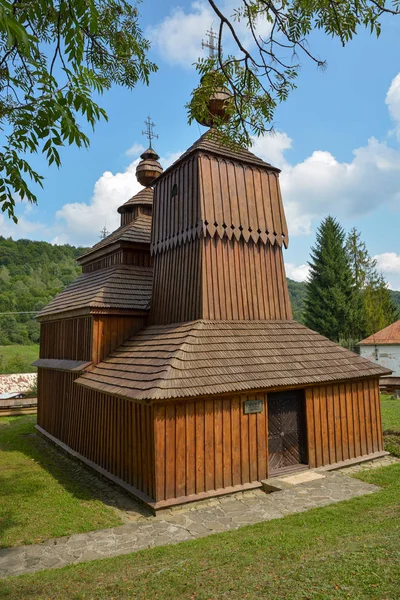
point(211, 43)
point(149, 131)
point(104, 233)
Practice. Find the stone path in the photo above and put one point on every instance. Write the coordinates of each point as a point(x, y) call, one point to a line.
point(192, 521)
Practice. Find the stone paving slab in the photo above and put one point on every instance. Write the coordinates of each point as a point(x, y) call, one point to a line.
point(187, 523)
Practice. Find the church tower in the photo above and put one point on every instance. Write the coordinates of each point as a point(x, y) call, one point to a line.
point(217, 237)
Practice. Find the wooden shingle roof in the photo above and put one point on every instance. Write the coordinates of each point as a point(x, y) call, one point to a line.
point(145, 196)
point(388, 335)
point(210, 144)
point(212, 357)
point(137, 231)
point(119, 286)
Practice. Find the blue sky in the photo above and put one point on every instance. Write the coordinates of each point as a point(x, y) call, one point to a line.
point(337, 142)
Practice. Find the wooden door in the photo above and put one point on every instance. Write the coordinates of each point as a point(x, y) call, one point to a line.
point(286, 430)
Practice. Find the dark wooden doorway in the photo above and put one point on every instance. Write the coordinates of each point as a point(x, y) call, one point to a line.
point(286, 431)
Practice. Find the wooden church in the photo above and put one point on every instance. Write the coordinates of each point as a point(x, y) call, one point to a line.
point(173, 366)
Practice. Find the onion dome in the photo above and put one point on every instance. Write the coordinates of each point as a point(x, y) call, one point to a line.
point(217, 108)
point(149, 168)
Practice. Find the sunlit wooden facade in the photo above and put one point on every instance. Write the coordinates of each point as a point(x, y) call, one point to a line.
point(173, 365)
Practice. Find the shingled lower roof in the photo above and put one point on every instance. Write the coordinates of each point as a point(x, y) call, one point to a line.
point(137, 231)
point(119, 286)
point(212, 357)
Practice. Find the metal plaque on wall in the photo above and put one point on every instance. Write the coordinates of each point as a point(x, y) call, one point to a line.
point(252, 406)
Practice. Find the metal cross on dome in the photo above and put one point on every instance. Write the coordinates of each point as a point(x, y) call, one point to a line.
point(104, 233)
point(149, 131)
point(211, 43)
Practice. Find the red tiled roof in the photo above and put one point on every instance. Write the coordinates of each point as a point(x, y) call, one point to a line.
point(388, 335)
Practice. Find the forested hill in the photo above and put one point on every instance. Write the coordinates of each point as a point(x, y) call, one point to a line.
point(32, 273)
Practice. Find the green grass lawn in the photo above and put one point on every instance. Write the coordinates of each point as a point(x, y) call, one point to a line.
point(42, 494)
point(347, 550)
point(18, 359)
point(391, 423)
point(390, 412)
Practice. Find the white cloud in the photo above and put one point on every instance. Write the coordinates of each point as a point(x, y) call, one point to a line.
point(135, 150)
point(272, 147)
point(321, 184)
point(25, 228)
point(83, 221)
point(393, 102)
point(297, 272)
point(177, 38)
point(388, 262)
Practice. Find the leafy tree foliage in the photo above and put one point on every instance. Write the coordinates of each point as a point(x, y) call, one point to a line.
point(380, 309)
point(376, 307)
point(297, 294)
point(56, 58)
point(329, 305)
point(31, 274)
point(259, 80)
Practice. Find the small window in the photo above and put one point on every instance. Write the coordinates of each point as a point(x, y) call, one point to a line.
point(174, 190)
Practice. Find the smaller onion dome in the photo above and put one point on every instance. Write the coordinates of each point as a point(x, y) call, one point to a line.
point(149, 168)
point(217, 108)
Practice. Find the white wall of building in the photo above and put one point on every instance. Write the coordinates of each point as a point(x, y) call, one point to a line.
point(386, 356)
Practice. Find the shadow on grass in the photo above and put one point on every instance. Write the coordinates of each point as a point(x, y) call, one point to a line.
point(19, 435)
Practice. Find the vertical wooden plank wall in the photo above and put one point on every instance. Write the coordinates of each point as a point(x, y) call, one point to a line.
point(177, 285)
point(130, 215)
point(243, 280)
point(208, 444)
point(176, 209)
point(241, 200)
point(110, 331)
point(214, 278)
point(67, 338)
point(343, 421)
point(114, 433)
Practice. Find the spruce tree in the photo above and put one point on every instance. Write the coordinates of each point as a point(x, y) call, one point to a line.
point(330, 288)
